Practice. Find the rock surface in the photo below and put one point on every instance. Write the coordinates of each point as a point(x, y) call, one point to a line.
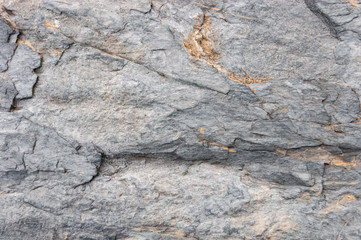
point(170, 119)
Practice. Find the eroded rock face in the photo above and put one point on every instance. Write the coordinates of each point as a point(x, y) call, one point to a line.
point(180, 119)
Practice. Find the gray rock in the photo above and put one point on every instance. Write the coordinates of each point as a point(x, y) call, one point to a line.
point(17, 63)
point(7, 94)
point(180, 119)
point(7, 51)
point(21, 70)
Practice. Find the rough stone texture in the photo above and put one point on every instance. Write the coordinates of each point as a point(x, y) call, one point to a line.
point(170, 119)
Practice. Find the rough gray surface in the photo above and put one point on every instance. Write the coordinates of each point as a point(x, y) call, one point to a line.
point(170, 119)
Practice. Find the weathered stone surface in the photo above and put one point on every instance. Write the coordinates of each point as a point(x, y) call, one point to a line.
point(21, 71)
point(17, 63)
point(172, 119)
point(7, 93)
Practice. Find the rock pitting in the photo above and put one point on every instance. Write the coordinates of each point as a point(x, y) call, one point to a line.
point(166, 119)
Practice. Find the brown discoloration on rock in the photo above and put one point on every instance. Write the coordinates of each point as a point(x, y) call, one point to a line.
point(346, 164)
point(201, 130)
point(5, 14)
point(310, 154)
point(282, 151)
point(327, 183)
point(200, 45)
point(27, 43)
point(54, 52)
point(273, 224)
point(247, 79)
point(224, 147)
point(353, 3)
point(305, 197)
point(282, 110)
point(336, 205)
point(358, 120)
point(50, 24)
point(322, 154)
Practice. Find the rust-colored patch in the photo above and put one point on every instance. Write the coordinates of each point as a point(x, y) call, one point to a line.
point(322, 154)
point(224, 147)
point(282, 110)
point(358, 120)
point(4, 13)
point(201, 130)
point(213, 8)
point(333, 207)
point(200, 45)
point(231, 150)
point(65, 235)
point(252, 90)
point(353, 3)
point(54, 52)
point(27, 43)
point(50, 24)
point(326, 183)
point(246, 79)
point(333, 127)
point(348, 198)
point(310, 154)
point(282, 151)
point(274, 223)
point(341, 163)
point(306, 197)
point(202, 140)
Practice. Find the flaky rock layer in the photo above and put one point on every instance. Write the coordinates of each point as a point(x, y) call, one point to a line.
point(166, 119)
